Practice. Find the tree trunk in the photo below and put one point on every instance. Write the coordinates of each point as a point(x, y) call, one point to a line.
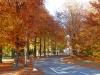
point(44, 47)
point(16, 56)
point(55, 48)
point(28, 47)
point(48, 46)
point(35, 47)
point(17, 47)
point(26, 50)
point(40, 46)
point(13, 52)
point(0, 54)
point(25, 60)
point(51, 47)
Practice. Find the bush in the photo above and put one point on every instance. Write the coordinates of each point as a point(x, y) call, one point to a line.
point(96, 54)
point(87, 52)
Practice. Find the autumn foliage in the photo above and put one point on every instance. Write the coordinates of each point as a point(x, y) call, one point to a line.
point(22, 21)
point(93, 25)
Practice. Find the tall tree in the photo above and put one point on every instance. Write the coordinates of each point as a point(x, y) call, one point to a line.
point(92, 21)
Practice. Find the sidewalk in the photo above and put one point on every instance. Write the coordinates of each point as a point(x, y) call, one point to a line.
point(25, 71)
point(8, 69)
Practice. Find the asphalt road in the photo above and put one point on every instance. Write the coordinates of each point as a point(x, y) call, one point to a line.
point(54, 66)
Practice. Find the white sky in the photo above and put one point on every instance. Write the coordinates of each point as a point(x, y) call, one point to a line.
point(54, 5)
point(58, 5)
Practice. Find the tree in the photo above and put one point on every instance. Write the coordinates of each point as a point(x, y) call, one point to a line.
point(5, 24)
point(93, 24)
point(73, 25)
point(19, 26)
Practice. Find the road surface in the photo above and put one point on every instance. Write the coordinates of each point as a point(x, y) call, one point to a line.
point(54, 66)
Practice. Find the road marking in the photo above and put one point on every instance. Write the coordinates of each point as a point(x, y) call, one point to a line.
point(71, 67)
point(53, 70)
point(84, 73)
point(61, 72)
point(41, 61)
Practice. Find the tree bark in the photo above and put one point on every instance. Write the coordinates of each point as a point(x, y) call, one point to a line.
point(51, 43)
point(40, 46)
point(44, 47)
point(27, 46)
point(56, 48)
point(35, 47)
point(26, 50)
point(17, 48)
point(48, 45)
point(13, 52)
point(0, 54)
point(16, 56)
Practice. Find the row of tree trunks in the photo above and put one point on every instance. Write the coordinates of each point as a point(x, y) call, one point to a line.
point(53, 44)
point(44, 45)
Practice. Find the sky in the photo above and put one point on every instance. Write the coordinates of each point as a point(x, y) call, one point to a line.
point(59, 5)
point(54, 5)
